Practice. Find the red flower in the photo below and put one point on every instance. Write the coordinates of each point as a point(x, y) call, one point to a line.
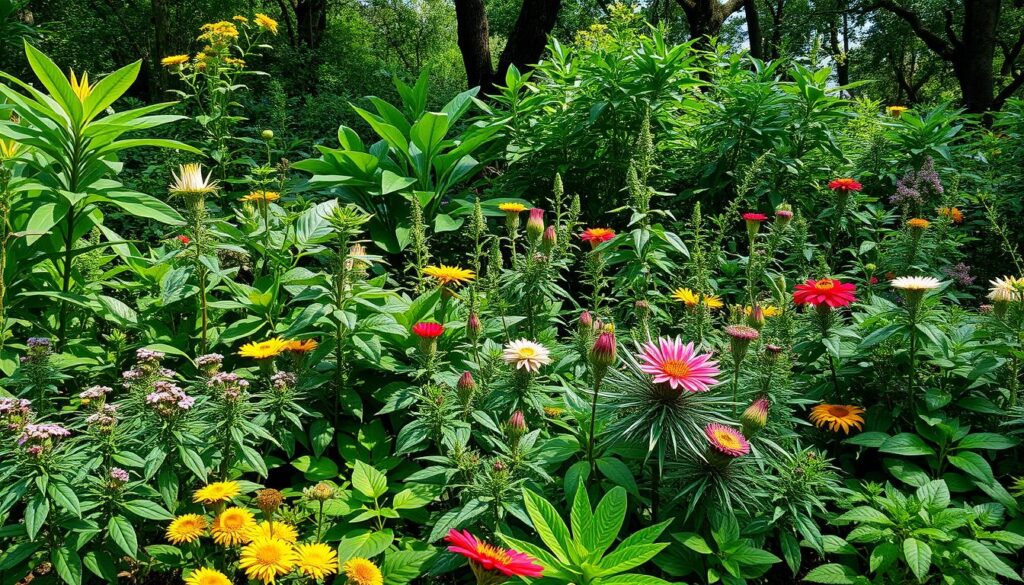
point(597, 236)
point(874, 280)
point(184, 240)
point(845, 185)
point(428, 330)
point(826, 291)
point(755, 217)
point(488, 557)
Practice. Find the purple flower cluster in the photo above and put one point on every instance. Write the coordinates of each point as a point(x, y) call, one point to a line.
point(104, 419)
point(15, 412)
point(95, 392)
point(168, 399)
point(961, 273)
point(119, 475)
point(916, 187)
point(230, 385)
point(144, 355)
point(210, 363)
point(283, 381)
point(37, 438)
point(37, 342)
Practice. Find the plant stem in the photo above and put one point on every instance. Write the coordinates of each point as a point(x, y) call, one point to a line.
point(593, 423)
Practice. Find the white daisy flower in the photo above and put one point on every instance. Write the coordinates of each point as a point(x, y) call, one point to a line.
point(526, 355)
point(1006, 289)
point(915, 283)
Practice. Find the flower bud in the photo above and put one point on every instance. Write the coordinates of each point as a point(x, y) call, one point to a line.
point(515, 428)
point(602, 354)
point(321, 492)
point(465, 387)
point(739, 340)
point(755, 317)
point(783, 215)
point(753, 221)
point(755, 417)
point(535, 225)
point(473, 327)
point(550, 239)
point(267, 134)
point(586, 321)
point(268, 501)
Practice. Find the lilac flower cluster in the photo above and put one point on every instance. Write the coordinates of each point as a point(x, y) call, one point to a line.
point(15, 412)
point(147, 367)
point(961, 273)
point(210, 363)
point(167, 399)
point(95, 393)
point(38, 438)
point(118, 476)
point(38, 351)
point(231, 386)
point(104, 419)
point(916, 187)
point(283, 381)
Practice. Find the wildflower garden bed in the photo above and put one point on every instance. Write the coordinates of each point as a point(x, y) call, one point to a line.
point(474, 341)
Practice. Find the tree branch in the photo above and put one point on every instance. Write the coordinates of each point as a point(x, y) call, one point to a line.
point(731, 6)
point(1010, 54)
point(936, 43)
point(1014, 85)
point(950, 33)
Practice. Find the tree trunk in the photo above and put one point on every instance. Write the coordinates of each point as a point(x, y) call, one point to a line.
point(775, 45)
point(972, 61)
point(705, 18)
point(311, 22)
point(529, 36)
point(754, 35)
point(474, 43)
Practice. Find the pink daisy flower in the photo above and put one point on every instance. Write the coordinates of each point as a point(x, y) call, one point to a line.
point(672, 362)
point(726, 440)
point(488, 557)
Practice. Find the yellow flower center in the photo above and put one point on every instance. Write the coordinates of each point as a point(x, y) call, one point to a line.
point(527, 352)
point(727, 440)
point(493, 552)
point(268, 555)
point(232, 521)
point(824, 284)
point(676, 368)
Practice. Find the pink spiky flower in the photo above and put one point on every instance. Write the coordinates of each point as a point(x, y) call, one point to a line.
point(672, 362)
point(726, 440)
point(485, 558)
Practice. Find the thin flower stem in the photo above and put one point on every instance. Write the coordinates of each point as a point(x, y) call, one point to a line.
point(593, 423)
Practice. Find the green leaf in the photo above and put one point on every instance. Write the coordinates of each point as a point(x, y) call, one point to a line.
point(631, 579)
point(101, 565)
point(973, 464)
point(985, 558)
point(625, 558)
point(65, 497)
point(68, 564)
point(148, 510)
point(549, 525)
point(143, 206)
point(18, 553)
point(790, 550)
point(619, 474)
point(918, 556)
point(608, 518)
point(110, 88)
point(402, 566)
point(986, 441)
point(120, 530)
point(580, 516)
point(694, 542)
point(428, 132)
point(749, 555)
point(364, 543)
point(833, 574)
point(934, 495)
point(865, 514)
point(369, 481)
point(906, 444)
point(883, 556)
point(36, 511)
point(390, 182)
point(54, 81)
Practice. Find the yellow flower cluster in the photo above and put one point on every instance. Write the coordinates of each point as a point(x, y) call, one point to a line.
point(271, 348)
point(218, 32)
point(269, 549)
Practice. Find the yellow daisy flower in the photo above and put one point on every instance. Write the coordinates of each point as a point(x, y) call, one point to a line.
point(266, 559)
point(263, 349)
point(206, 576)
point(837, 417)
point(448, 275)
point(220, 491)
point(281, 531)
point(766, 310)
point(266, 23)
point(174, 60)
point(512, 207)
point(186, 528)
point(232, 526)
point(318, 560)
point(264, 196)
point(362, 572)
point(690, 298)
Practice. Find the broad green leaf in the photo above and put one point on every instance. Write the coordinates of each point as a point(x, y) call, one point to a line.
point(147, 509)
point(985, 558)
point(973, 464)
point(918, 556)
point(67, 563)
point(865, 514)
point(694, 542)
point(55, 83)
point(581, 515)
point(906, 444)
point(549, 525)
point(110, 88)
point(36, 511)
point(369, 481)
point(608, 518)
point(402, 566)
point(120, 531)
point(833, 574)
point(986, 441)
point(364, 543)
point(617, 471)
point(883, 556)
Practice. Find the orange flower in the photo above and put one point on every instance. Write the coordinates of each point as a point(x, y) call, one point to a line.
point(918, 224)
point(837, 417)
point(953, 214)
point(301, 346)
